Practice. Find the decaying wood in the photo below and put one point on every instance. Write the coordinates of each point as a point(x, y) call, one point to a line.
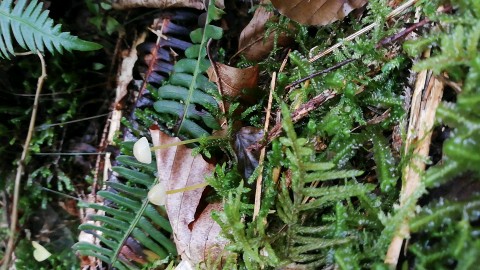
point(425, 100)
point(123, 80)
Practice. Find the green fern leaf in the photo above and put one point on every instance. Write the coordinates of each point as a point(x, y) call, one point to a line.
point(186, 98)
point(128, 217)
point(34, 30)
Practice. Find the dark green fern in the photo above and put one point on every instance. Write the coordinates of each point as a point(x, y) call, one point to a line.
point(133, 231)
point(186, 102)
point(34, 30)
point(130, 222)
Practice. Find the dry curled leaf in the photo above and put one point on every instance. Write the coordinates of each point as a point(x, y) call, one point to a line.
point(196, 234)
point(234, 82)
point(247, 159)
point(317, 12)
point(252, 43)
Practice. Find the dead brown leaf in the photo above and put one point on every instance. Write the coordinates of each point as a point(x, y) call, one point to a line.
point(317, 12)
point(195, 233)
point(234, 82)
point(252, 43)
point(247, 159)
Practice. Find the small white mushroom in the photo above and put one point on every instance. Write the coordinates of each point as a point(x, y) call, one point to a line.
point(158, 194)
point(141, 151)
point(40, 253)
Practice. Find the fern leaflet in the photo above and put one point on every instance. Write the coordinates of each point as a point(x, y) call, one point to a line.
point(34, 30)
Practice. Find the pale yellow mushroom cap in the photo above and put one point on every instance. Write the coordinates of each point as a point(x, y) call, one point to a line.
point(158, 194)
point(141, 151)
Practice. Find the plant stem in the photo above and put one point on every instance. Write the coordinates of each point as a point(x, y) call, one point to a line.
point(426, 99)
point(163, 146)
point(21, 166)
point(297, 115)
point(258, 190)
point(327, 70)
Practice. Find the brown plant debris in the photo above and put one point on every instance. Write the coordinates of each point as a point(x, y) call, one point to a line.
point(317, 12)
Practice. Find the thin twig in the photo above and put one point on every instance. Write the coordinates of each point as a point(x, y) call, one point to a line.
point(21, 165)
point(70, 154)
point(45, 126)
point(219, 83)
point(401, 34)
point(313, 75)
point(24, 53)
point(297, 115)
point(364, 30)
point(59, 93)
point(60, 193)
point(258, 190)
point(160, 35)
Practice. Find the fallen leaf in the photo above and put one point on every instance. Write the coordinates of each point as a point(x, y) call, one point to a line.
point(196, 234)
point(205, 240)
point(235, 82)
point(252, 43)
point(316, 12)
point(247, 159)
point(131, 254)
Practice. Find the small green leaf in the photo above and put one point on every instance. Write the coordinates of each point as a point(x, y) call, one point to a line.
point(112, 25)
point(214, 13)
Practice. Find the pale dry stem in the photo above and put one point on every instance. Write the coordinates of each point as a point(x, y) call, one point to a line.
point(258, 190)
point(21, 165)
point(425, 101)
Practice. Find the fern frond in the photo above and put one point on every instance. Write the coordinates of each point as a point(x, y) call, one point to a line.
point(187, 95)
point(33, 30)
point(130, 221)
point(309, 242)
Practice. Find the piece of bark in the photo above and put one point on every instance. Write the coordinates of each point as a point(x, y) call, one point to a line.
point(425, 101)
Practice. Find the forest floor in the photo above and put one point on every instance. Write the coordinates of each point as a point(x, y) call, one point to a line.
point(284, 136)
